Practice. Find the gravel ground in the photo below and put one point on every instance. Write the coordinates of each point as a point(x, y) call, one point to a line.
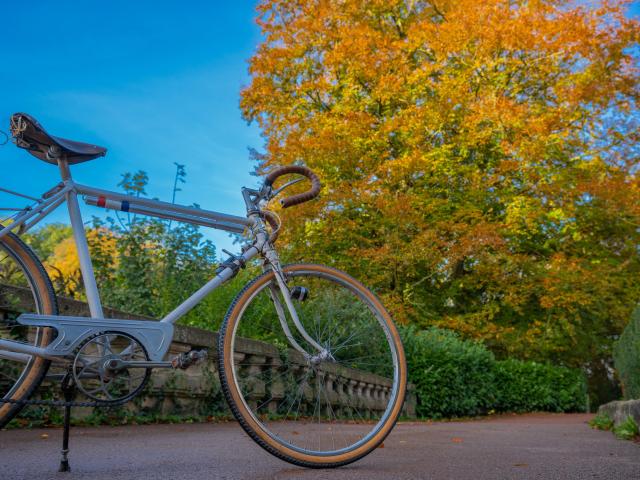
point(536, 446)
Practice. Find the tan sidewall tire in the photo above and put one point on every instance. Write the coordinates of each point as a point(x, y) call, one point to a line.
point(48, 306)
point(244, 416)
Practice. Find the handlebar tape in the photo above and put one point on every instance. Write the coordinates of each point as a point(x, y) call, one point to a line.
point(300, 197)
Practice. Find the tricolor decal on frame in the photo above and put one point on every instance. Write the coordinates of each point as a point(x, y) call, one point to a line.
point(113, 204)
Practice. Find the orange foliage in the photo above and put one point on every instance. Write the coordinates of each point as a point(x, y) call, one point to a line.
point(479, 158)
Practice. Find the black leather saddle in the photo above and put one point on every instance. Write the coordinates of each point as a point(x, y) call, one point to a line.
point(31, 136)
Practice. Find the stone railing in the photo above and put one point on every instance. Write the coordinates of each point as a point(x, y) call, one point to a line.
point(196, 391)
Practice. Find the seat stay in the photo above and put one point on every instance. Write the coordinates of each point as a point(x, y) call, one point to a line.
point(43, 208)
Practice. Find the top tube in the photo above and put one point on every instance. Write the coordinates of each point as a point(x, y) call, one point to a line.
point(163, 206)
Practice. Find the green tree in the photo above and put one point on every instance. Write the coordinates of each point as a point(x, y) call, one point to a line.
point(45, 239)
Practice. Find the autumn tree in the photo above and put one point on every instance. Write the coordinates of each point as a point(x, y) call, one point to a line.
point(479, 160)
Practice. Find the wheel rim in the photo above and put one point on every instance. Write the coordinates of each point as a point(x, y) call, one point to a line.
point(330, 408)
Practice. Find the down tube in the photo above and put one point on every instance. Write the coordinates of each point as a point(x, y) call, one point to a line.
point(209, 287)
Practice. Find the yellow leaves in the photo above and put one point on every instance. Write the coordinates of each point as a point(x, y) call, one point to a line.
point(522, 215)
point(64, 262)
point(557, 214)
point(107, 240)
point(63, 265)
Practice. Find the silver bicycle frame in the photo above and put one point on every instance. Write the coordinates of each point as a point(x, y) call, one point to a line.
point(68, 191)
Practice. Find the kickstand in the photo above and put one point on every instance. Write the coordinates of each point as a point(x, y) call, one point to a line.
point(69, 391)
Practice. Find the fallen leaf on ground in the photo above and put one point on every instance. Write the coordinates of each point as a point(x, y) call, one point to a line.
point(456, 440)
point(44, 435)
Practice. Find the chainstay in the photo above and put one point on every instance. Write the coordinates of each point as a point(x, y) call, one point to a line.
point(63, 403)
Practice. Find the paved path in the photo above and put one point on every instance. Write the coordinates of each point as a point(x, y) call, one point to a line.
point(539, 446)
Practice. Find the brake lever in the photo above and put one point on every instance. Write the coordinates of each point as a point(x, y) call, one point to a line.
point(288, 184)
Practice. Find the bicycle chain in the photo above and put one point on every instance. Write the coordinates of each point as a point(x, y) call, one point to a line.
point(63, 403)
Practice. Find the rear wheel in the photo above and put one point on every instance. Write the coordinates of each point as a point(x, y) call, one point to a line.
point(322, 410)
point(24, 288)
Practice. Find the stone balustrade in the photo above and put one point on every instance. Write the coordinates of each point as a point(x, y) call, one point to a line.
point(197, 392)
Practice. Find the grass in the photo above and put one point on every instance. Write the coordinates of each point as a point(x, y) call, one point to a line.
point(602, 421)
point(627, 430)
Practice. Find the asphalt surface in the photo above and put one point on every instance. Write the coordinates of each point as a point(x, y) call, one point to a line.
point(538, 446)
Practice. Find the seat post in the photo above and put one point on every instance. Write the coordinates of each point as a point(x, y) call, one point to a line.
point(64, 169)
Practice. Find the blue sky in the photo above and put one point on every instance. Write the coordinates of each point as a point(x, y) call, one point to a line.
point(154, 82)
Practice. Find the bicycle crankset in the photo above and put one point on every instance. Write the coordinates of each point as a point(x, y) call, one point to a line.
point(109, 367)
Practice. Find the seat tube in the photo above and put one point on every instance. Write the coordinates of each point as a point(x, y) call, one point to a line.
point(80, 238)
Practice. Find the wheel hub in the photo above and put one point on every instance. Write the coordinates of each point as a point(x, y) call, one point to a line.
point(323, 356)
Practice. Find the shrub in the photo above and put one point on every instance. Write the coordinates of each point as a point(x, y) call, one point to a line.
point(530, 386)
point(453, 377)
point(626, 356)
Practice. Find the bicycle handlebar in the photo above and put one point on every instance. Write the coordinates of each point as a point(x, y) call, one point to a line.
point(300, 197)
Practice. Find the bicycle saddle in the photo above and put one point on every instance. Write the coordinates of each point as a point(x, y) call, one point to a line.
point(31, 136)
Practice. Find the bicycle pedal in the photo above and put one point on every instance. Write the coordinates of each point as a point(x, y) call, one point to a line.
point(188, 359)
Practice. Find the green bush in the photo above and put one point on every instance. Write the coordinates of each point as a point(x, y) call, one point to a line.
point(455, 377)
point(530, 386)
point(452, 377)
point(626, 356)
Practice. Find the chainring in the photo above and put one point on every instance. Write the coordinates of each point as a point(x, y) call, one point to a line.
point(97, 379)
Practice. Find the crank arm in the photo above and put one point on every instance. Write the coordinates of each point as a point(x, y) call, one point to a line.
point(181, 361)
point(115, 364)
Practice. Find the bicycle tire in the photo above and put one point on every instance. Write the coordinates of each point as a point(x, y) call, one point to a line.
point(45, 303)
point(250, 421)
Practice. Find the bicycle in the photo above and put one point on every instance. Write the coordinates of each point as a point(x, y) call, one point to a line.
point(322, 333)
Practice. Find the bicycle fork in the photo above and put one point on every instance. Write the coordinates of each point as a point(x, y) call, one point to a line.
point(322, 353)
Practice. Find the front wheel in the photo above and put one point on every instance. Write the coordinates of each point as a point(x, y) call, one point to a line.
point(317, 410)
